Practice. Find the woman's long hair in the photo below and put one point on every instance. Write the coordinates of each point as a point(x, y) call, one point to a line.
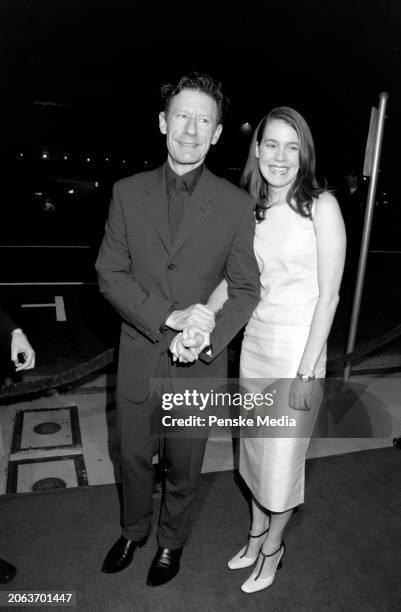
point(305, 188)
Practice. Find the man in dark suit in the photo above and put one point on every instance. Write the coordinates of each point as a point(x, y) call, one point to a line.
point(11, 335)
point(172, 235)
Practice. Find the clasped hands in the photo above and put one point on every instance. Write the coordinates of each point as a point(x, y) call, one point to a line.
point(194, 325)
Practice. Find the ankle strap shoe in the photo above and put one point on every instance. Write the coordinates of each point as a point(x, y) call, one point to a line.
point(255, 581)
point(241, 560)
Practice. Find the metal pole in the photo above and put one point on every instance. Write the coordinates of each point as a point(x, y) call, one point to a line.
point(370, 203)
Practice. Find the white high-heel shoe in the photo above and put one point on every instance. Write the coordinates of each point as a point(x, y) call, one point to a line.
point(255, 582)
point(240, 560)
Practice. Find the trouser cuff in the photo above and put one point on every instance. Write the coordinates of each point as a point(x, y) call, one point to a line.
point(134, 536)
point(172, 544)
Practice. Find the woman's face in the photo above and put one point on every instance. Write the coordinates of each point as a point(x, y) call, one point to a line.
point(278, 154)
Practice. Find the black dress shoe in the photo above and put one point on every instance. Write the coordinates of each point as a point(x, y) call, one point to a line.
point(120, 555)
point(165, 566)
point(7, 571)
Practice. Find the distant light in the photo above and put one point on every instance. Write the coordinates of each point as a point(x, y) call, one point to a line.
point(88, 159)
point(96, 183)
point(107, 159)
point(48, 206)
point(21, 155)
point(246, 127)
point(145, 162)
point(71, 191)
point(65, 156)
point(45, 155)
point(123, 161)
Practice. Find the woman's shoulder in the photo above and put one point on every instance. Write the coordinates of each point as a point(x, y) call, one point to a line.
point(325, 203)
point(327, 218)
point(326, 198)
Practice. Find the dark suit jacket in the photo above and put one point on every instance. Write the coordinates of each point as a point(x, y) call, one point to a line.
point(144, 276)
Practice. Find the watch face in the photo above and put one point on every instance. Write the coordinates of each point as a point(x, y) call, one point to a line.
point(306, 377)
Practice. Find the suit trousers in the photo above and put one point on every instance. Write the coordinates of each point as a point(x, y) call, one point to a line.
point(140, 439)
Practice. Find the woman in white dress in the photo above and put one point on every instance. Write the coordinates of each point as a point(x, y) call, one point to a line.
point(300, 247)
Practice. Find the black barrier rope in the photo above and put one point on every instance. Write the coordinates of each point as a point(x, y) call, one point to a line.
point(60, 379)
point(99, 362)
point(336, 365)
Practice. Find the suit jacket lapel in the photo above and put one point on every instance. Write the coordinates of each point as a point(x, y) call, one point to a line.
point(156, 205)
point(201, 206)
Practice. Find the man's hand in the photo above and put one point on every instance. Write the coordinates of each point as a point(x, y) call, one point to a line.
point(20, 344)
point(180, 352)
point(193, 337)
point(186, 346)
point(197, 315)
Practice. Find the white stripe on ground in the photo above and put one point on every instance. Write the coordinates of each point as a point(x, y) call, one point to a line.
point(37, 305)
point(58, 304)
point(60, 310)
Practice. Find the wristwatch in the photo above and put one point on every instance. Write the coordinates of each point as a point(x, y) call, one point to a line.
point(305, 377)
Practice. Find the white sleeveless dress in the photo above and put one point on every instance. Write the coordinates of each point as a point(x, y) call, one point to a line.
point(274, 340)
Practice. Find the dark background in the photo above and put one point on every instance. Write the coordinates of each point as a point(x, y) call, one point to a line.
point(82, 79)
point(86, 75)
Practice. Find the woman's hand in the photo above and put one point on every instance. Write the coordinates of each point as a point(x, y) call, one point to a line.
point(196, 315)
point(301, 392)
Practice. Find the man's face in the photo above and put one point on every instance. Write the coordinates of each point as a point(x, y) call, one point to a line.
point(191, 128)
point(351, 180)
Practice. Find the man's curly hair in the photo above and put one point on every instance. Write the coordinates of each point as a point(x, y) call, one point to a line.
point(200, 82)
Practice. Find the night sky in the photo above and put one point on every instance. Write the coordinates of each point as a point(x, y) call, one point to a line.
point(102, 63)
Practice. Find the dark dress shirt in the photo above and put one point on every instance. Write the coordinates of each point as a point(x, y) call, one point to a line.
point(179, 192)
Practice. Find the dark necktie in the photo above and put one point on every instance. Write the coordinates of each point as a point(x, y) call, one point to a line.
point(178, 199)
